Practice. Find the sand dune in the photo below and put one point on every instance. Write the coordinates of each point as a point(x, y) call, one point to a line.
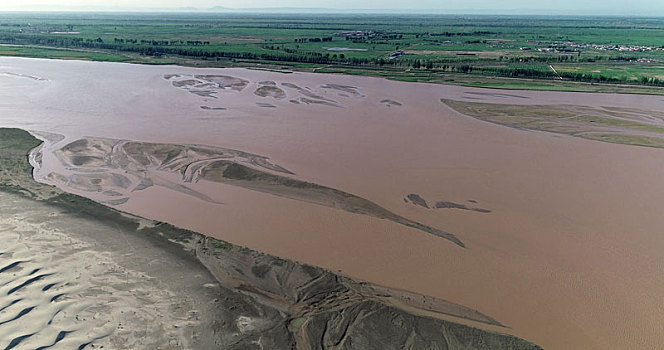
point(59, 289)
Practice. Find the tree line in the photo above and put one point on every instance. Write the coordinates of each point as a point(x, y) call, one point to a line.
point(155, 48)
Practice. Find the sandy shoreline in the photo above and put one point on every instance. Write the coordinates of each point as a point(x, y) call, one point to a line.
point(77, 274)
point(570, 242)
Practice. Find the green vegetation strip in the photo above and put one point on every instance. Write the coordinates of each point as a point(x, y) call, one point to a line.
point(551, 53)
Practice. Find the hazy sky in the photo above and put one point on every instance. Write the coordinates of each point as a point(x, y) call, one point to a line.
point(616, 7)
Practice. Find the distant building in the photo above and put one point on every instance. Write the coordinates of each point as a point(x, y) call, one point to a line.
point(354, 33)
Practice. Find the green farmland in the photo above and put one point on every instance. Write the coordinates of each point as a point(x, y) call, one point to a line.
point(553, 53)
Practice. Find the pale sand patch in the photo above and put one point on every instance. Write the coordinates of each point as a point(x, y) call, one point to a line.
point(63, 288)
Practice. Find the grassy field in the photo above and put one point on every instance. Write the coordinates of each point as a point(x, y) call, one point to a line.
point(555, 52)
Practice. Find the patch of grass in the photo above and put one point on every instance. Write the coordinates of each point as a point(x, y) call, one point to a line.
point(634, 140)
point(222, 245)
point(54, 53)
point(16, 141)
point(15, 170)
point(620, 123)
point(298, 322)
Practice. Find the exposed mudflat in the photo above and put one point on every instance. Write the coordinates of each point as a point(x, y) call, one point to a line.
point(75, 274)
point(630, 126)
point(568, 257)
point(270, 91)
point(110, 171)
point(416, 199)
point(69, 281)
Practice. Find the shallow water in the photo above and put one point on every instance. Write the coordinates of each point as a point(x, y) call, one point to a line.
point(569, 255)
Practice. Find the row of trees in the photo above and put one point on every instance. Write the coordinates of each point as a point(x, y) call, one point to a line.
point(94, 43)
point(382, 39)
point(522, 72)
point(313, 40)
point(556, 58)
point(152, 48)
point(160, 42)
point(449, 34)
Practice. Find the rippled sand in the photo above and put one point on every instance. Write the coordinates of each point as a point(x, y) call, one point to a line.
point(568, 256)
point(71, 283)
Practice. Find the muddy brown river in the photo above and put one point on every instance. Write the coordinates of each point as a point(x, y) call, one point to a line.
point(559, 238)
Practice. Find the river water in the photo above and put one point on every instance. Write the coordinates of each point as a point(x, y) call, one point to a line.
point(569, 255)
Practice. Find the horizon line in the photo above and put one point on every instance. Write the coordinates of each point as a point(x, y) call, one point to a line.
point(314, 10)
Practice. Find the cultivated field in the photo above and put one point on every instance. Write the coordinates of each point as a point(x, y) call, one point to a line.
point(542, 53)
